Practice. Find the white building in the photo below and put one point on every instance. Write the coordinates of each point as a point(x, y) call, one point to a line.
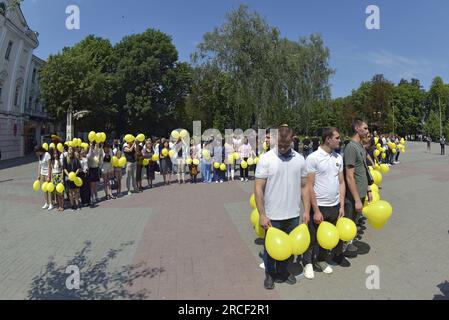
point(23, 119)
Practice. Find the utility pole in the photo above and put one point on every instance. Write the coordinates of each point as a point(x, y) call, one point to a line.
point(393, 121)
point(69, 128)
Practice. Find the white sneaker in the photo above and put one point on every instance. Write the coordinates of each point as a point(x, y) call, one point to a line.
point(216, 181)
point(221, 181)
point(262, 266)
point(45, 206)
point(129, 193)
point(241, 179)
point(308, 271)
point(328, 269)
point(50, 207)
point(246, 180)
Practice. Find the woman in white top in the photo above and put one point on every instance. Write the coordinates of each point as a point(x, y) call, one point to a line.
point(245, 151)
point(229, 151)
point(43, 170)
point(57, 177)
point(180, 155)
point(107, 171)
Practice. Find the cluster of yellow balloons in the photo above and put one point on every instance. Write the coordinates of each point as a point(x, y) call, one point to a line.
point(76, 180)
point(381, 151)
point(48, 187)
point(220, 166)
point(118, 163)
point(195, 162)
point(175, 134)
point(98, 137)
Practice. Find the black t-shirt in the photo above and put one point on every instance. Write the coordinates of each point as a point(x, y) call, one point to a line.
point(306, 144)
point(130, 156)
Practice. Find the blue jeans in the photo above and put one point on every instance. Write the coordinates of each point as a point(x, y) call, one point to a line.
point(272, 266)
point(218, 175)
point(208, 172)
point(203, 170)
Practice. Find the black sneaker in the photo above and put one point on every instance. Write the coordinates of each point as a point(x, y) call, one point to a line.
point(269, 282)
point(341, 261)
point(352, 248)
point(287, 278)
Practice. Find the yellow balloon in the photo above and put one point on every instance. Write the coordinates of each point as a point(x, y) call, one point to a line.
point(60, 147)
point(50, 187)
point(376, 153)
point(252, 201)
point(114, 161)
point(171, 153)
point(140, 137)
point(52, 146)
point(255, 217)
point(72, 176)
point(122, 162)
point(265, 146)
point(155, 157)
point(165, 152)
point(92, 135)
point(103, 137)
point(250, 161)
point(376, 197)
point(327, 235)
point(347, 229)
point(183, 134)
point(378, 146)
point(377, 224)
point(384, 168)
point(260, 231)
point(377, 176)
point(175, 134)
point(374, 188)
point(206, 154)
point(146, 162)
point(379, 211)
point(222, 167)
point(60, 188)
point(45, 146)
point(256, 161)
point(129, 138)
point(78, 182)
point(244, 164)
point(300, 239)
point(376, 167)
point(394, 151)
point(236, 156)
point(384, 155)
point(196, 162)
point(402, 141)
point(376, 140)
point(189, 161)
point(98, 137)
point(278, 244)
point(44, 186)
point(36, 185)
point(216, 165)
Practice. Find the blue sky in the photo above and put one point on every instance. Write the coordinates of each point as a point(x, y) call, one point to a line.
point(412, 42)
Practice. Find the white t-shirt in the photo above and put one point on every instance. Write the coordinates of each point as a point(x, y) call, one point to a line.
point(327, 168)
point(283, 188)
point(56, 166)
point(44, 163)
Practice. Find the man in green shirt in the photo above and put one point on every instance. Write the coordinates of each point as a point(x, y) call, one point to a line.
point(356, 176)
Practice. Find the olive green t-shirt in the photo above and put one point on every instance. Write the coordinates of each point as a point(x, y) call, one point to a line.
point(355, 155)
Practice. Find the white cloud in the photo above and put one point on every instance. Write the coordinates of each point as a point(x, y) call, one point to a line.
point(401, 66)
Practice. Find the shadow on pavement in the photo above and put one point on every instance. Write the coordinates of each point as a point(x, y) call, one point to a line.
point(6, 164)
point(96, 282)
point(444, 288)
point(363, 247)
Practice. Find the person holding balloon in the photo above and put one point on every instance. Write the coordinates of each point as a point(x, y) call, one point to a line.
point(280, 184)
point(327, 193)
point(43, 170)
point(129, 149)
point(57, 177)
point(165, 161)
point(118, 173)
point(193, 162)
point(245, 151)
point(229, 158)
point(357, 177)
point(107, 171)
point(139, 166)
point(148, 153)
point(217, 156)
point(180, 149)
point(95, 158)
point(83, 173)
point(72, 167)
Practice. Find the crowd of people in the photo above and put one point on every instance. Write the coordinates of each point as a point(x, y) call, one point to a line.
point(332, 182)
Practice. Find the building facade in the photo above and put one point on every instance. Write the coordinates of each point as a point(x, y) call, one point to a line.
point(23, 119)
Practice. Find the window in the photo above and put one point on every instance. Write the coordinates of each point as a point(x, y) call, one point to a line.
point(1, 93)
point(30, 103)
point(8, 50)
point(34, 76)
point(16, 97)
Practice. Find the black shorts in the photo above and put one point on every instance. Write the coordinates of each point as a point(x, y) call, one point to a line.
point(94, 174)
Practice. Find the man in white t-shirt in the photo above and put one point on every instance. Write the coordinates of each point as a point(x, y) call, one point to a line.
point(280, 184)
point(326, 184)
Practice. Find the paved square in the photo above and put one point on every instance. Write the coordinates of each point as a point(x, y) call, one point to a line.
point(196, 242)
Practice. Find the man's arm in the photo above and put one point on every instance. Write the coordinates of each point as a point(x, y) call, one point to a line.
point(352, 187)
point(259, 193)
point(341, 180)
point(305, 197)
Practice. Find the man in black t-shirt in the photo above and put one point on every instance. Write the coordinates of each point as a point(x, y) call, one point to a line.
point(306, 147)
